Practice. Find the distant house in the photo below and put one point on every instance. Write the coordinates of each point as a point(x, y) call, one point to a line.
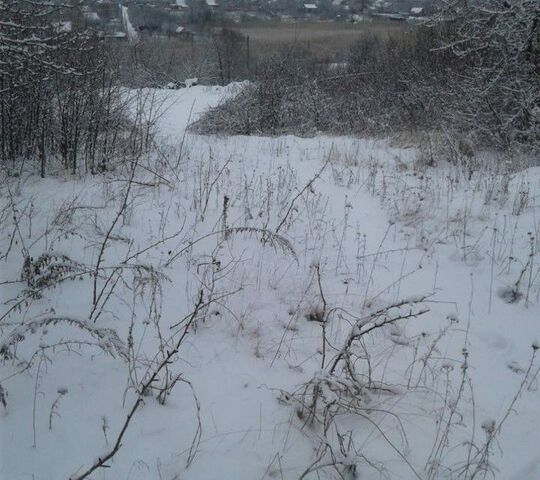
point(181, 32)
point(310, 7)
point(417, 11)
point(212, 3)
point(184, 33)
point(180, 4)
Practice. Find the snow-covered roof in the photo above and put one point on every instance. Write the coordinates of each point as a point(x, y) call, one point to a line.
point(211, 3)
point(310, 6)
point(417, 10)
point(181, 3)
point(179, 29)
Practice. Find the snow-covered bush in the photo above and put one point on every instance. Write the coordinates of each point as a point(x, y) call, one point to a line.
point(459, 77)
point(498, 94)
point(61, 104)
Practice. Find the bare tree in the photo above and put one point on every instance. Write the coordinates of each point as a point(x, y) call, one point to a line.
point(229, 48)
point(59, 95)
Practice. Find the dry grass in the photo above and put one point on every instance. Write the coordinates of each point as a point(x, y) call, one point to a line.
point(324, 38)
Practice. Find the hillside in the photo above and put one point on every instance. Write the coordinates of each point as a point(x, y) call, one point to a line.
point(270, 308)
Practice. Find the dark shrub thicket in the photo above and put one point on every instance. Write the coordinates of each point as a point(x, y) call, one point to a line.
point(478, 82)
point(386, 85)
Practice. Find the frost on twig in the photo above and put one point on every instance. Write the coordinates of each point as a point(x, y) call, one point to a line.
point(107, 338)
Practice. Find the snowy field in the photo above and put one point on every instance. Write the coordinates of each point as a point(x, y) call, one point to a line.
point(306, 308)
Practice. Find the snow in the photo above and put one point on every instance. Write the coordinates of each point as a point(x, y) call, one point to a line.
point(382, 231)
point(117, 35)
point(132, 34)
point(65, 26)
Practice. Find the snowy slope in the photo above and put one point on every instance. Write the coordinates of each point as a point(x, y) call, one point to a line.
point(357, 227)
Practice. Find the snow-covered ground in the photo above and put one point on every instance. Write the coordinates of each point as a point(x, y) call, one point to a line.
point(287, 240)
